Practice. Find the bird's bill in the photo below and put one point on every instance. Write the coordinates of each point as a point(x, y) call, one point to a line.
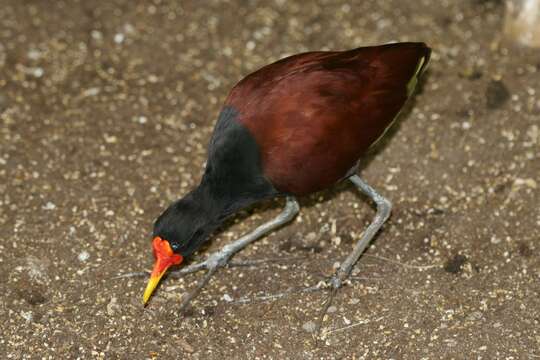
point(157, 274)
point(165, 258)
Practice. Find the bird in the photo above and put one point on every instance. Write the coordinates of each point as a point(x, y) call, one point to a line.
point(292, 128)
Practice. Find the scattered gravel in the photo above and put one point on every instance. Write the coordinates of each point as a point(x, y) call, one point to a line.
point(106, 108)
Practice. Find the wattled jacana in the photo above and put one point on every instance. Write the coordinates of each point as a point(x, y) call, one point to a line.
point(292, 128)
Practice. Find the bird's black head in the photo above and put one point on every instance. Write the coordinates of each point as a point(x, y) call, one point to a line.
point(185, 224)
point(178, 232)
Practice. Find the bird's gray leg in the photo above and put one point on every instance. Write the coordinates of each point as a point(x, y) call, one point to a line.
point(221, 257)
point(384, 207)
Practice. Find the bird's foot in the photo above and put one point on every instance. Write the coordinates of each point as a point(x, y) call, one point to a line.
point(216, 260)
point(334, 284)
point(212, 264)
point(222, 259)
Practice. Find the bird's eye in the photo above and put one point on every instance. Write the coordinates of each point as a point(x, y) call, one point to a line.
point(175, 247)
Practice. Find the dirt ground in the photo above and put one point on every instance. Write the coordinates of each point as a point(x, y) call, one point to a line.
point(106, 108)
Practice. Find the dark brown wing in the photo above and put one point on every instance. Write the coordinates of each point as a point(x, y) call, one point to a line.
point(313, 115)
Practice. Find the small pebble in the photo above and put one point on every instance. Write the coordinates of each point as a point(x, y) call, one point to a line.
point(34, 54)
point(112, 306)
point(531, 183)
point(96, 35)
point(27, 315)
point(309, 327)
point(495, 240)
point(37, 72)
point(83, 256)
point(119, 38)
point(476, 315)
point(49, 206)
point(93, 91)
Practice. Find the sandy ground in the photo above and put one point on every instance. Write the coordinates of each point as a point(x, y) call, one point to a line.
point(105, 111)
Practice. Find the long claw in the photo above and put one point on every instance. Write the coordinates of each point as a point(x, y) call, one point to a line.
point(190, 296)
point(335, 284)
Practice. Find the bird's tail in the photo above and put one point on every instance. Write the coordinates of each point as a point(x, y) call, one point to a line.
point(424, 54)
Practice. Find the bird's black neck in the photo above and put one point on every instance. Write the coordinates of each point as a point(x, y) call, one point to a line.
point(222, 196)
point(212, 203)
point(188, 222)
point(233, 179)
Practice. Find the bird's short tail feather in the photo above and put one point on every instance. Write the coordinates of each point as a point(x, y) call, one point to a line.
point(420, 68)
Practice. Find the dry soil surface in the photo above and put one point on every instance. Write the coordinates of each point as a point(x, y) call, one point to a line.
point(106, 108)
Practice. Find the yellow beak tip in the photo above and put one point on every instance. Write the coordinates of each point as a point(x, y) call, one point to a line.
point(151, 286)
